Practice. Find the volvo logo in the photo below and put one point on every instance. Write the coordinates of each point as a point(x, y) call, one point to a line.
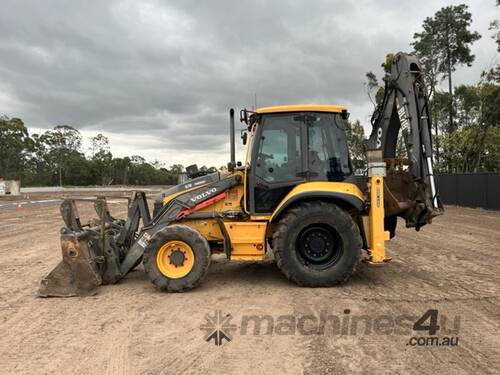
point(379, 137)
point(203, 195)
point(403, 115)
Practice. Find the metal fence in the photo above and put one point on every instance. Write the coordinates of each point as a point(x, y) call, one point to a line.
point(470, 189)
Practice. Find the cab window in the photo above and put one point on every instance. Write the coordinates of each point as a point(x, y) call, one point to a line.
point(279, 154)
point(328, 155)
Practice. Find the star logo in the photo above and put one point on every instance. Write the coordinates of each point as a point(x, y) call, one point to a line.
point(218, 327)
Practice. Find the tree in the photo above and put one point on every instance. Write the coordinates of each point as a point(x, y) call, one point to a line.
point(473, 145)
point(158, 164)
point(37, 170)
point(79, 170)
point(99, 144)
point(136, 159)
point(121, 169)
point(61, 142)
point(491, 159)
point(467, 102)
point(372, 85)
point(493, 75)
point(55, 156)
point(14, 145)
point(440, 117)
point(102, 159)
point(372, 82)
point(445, 43)
point(495, 26)
point(177, 168)
point(489, 117)
point(355, 136)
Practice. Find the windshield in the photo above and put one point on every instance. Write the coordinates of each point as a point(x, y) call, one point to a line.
point(328, 155)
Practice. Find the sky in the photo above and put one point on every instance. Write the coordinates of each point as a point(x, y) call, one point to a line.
point(158, 77)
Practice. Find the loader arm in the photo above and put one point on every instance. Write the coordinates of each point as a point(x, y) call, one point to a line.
point(107, 249)
point(410, 191)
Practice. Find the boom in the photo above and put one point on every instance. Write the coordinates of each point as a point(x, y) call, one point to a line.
point(410, 191)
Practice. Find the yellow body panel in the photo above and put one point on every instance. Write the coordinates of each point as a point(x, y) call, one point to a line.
point(248, 239)
point(301, 108)
point(209, 228)
point(321, 186)
point(377, 233)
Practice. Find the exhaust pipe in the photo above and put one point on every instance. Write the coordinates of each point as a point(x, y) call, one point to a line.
point(232, 163)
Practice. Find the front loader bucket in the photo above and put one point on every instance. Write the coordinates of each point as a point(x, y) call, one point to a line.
point(93, 253)
point(77, 274)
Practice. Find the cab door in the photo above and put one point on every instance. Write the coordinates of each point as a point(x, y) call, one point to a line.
point(278, 160)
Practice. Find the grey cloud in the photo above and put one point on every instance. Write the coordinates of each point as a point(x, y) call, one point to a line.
point(172, 69)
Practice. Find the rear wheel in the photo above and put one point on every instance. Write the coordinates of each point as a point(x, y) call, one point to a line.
point(177, 258)
point(317, 244)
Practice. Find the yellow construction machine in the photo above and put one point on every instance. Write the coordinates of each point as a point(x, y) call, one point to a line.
point(295, 194)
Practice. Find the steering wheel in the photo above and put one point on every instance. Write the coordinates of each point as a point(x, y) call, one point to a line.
point(264, 156)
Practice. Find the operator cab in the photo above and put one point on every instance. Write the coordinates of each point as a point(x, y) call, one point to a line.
point(292, 145)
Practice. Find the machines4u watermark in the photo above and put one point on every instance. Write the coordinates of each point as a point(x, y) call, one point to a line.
point(218, 327)
point(429, 329)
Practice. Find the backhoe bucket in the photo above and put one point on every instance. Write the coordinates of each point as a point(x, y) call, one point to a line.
point(77, 274)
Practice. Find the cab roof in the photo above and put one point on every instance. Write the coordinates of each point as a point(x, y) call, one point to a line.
point(302, 108)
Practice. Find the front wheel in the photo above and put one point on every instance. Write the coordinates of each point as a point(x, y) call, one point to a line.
point(317, 244)
point(177, 258)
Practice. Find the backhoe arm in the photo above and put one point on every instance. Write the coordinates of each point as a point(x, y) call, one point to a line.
point(404, 116)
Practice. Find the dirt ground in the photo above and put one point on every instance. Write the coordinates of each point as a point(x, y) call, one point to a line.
point(451, 266)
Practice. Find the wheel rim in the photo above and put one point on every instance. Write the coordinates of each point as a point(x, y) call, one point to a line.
point(175, 259)
point(319, 246)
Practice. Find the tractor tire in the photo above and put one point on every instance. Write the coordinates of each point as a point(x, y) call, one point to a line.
point(177, 258)
point(317, 244)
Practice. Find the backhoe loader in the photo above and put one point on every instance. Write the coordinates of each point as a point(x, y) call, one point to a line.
point(295, 195)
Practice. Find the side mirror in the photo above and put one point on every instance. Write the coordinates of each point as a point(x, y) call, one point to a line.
point(344, 114)
point(244, 116)
point(244, 136)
